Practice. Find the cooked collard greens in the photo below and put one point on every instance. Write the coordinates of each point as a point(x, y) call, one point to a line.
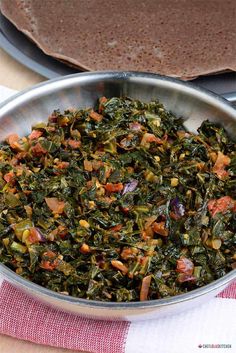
point(119, 203)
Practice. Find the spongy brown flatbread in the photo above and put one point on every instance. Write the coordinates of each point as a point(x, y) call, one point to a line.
point(180, 38)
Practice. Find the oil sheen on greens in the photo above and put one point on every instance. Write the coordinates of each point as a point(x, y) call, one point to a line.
point(119, 203)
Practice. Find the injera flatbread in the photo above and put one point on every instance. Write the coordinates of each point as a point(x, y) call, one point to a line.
point(179, 38)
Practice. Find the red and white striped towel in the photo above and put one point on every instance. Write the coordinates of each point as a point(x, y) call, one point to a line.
point(211, 325)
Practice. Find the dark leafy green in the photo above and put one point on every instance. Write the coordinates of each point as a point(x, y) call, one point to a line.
point(118, 204)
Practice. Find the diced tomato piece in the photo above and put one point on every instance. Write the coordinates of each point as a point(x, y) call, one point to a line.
point(160, 228)
point(200, 165)
point(185, 265)
point(55, 205)
point(102, 100)
point(35, 134)
point(95, 116)
point(74, 144)
point(35, 236)
point(88, 165)
point(125, 209)
point(116, 228)
point(221, 205)
point(49, 261)
point(38, 150)
point(97, 164)
point(62, 165)
point(148, 138)
point(62, 231)
point(12, 140)
point(110, 187)
point(222, 161)
point(129, 253)
point(47, 265)
point(50, 254)
point(9, 177)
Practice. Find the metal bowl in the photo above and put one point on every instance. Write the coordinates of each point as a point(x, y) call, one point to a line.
point(23, 110)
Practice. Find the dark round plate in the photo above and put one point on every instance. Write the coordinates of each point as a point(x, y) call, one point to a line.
point(27, 53)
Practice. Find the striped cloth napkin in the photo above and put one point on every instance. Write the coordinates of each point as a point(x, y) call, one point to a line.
point(206, 326)
point(211, 326)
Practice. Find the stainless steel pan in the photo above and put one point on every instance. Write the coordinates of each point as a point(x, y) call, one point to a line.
point(19, 113)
